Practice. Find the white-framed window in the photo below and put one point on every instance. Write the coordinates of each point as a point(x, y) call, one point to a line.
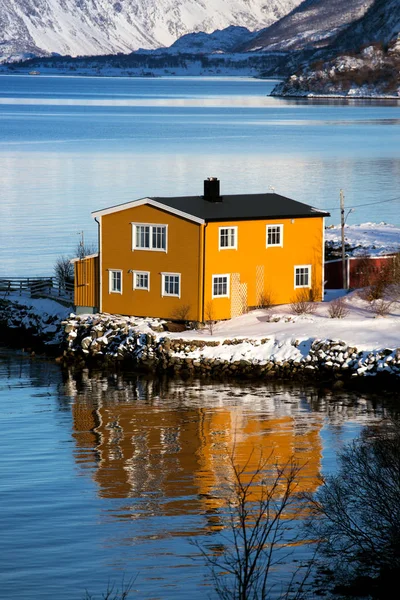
point(274, 235)
point(221, 286)
point(115, 281)
point(171, 284)
point(228, 238)
point(302, 276)
point(141, 280)
point(147, 236)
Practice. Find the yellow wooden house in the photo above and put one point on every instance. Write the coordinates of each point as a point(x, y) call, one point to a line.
point(202, 258)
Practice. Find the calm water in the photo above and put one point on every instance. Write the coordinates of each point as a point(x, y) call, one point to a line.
point(69, 146)
point(105, 476)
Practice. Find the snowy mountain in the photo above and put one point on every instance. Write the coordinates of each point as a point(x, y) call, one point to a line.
point(92, 27)
point(313, 24)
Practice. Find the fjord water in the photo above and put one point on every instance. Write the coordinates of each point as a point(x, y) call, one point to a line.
point(111, 476)
point(71, 145)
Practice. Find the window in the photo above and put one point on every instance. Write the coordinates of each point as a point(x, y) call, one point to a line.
point(302, 276)
point(274, 235)
point(227, 238)
point(149, 237)
point(115, 282)
point(141, 280)
point(220, 286)
point(171, 284)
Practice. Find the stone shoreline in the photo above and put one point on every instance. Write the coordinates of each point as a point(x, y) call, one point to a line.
point(104, 340)
point(114, 342)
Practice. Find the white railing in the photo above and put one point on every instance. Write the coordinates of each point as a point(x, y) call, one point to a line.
point(36, 286)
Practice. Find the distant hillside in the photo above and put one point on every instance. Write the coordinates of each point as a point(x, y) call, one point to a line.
point(381, 23)
point(363, 61)
point(313, 24)
point(372, 72)
point(224, 40)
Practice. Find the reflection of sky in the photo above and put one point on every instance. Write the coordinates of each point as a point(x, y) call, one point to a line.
point(70, 146)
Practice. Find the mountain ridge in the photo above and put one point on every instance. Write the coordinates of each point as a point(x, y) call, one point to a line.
point(93, 27)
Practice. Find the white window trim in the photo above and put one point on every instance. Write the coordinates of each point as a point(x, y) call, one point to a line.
point(309, 276)
point(235, 246)
point(136, 248)
point(163, 292)
point(228, 285)
point(110, 274)
point(135, 287)
point(280, 245)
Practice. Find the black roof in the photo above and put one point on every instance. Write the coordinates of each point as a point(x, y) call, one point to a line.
point(242, 207)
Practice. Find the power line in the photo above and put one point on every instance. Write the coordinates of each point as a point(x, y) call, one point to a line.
point(367, 204)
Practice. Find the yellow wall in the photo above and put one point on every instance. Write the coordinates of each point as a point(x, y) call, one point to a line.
point(86, 282)
point(256, 269)
point(182, 256)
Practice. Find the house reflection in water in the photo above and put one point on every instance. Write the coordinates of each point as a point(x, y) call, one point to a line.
point(165, 446)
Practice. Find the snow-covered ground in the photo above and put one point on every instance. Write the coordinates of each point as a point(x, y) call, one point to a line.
point(360, 328)
point(374, 238)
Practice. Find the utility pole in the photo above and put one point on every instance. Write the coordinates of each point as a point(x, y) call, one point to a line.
point(81, 245)
point(342, 220)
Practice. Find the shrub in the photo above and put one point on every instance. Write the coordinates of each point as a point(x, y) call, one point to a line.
point(380, 307)
point(181, 313)
point(265, 300)
point(302, 304)
point(337, 309)
point(210, 317)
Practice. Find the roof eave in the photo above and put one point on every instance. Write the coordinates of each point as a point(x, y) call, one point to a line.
point(150, 202)
point(267, 217)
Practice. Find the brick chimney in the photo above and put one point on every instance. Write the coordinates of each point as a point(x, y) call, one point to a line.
point(211, 190)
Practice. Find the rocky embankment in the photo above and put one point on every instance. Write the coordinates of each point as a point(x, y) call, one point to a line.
point(22, 326)
point(115, 342)
point(108, 340)
point(374, 72)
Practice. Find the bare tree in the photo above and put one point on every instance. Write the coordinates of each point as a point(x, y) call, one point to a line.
point(83, 249)
point(261, 506)
point(113, 592)
point(357, 511)
point(63, 271)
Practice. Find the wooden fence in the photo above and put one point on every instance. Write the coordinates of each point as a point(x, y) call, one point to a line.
point(36, 286)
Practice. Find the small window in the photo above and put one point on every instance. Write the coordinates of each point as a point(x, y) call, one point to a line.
point(171, 284)
point(302, 276)
point(149, 237)
point(115, 282)
point(274, 235)
point(220, 286)
point(227, 238)
point(142, 236)
point(141, 280)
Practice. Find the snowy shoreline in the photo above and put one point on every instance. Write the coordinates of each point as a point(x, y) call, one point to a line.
point(262, 343)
